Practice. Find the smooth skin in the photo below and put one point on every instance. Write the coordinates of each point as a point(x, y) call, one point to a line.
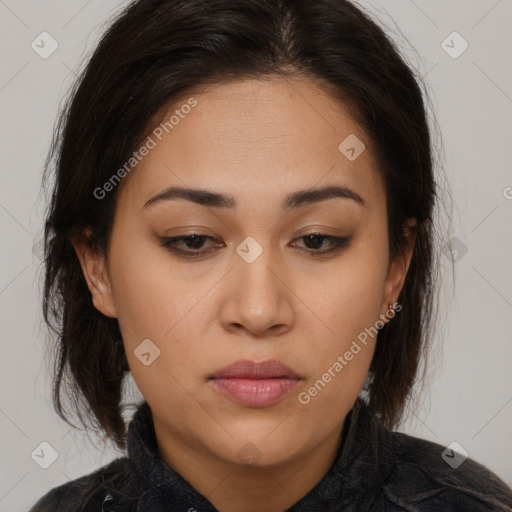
point(257, 141)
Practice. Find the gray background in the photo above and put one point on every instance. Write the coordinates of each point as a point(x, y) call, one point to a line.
point(469, 395)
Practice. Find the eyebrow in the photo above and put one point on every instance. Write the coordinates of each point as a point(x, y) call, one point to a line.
point(292, 201)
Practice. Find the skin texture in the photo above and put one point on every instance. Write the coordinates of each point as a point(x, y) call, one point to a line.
point(257, 141)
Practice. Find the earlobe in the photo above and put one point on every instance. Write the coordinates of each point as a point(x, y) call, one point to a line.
point(94, 268)
point(399, 266)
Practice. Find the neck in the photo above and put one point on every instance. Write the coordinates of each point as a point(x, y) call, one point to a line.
point(235, 487)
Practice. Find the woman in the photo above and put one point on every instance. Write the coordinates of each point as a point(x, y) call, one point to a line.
point(242, 218)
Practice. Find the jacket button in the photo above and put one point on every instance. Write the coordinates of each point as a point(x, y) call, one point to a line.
point(108, 501)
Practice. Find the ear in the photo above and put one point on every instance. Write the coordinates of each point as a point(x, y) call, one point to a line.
point(94, 268)
point(399, 266)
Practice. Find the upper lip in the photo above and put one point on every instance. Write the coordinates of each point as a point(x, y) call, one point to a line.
point(245, 369)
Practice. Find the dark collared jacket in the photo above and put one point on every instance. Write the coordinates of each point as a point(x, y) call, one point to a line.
point(375, 469)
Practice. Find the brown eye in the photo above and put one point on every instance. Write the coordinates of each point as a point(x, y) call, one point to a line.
point(193, 242)
point(315, 241)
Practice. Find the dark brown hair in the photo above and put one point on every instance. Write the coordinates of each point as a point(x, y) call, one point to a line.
point(155, 52)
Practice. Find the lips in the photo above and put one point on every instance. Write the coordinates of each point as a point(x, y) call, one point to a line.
point(245, 369)
point(255, 384)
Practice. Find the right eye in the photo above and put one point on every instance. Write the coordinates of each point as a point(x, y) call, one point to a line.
point(193, 240)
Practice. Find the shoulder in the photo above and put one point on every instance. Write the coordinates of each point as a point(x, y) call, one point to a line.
point(428, 476)
point(89, 492)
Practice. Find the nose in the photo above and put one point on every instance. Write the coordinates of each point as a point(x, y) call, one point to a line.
point(259, 298)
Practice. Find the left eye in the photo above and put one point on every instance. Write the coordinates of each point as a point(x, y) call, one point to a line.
point(315, 239)
point(196, 241)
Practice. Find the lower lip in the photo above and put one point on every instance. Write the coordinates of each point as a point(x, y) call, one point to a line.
point(255, 392)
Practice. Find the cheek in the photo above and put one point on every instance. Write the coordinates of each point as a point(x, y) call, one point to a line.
point(156, 300)
point(341, 364)
point(149, 293)
point(348, 298)
point(350, 307)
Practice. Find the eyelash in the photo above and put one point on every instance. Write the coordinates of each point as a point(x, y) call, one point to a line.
point(170, 243)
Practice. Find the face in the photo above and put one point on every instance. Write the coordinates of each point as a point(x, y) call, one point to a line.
point(264, 277)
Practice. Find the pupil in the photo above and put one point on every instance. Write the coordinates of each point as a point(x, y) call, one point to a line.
point(196, 241)
point(317, 240)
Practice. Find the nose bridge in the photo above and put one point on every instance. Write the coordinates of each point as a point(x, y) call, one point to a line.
point(257, 269)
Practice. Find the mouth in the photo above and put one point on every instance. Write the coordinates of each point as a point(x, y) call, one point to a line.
point(245, 369)
point(255, 384)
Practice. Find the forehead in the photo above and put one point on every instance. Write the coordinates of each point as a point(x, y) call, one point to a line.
point(257, 140)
